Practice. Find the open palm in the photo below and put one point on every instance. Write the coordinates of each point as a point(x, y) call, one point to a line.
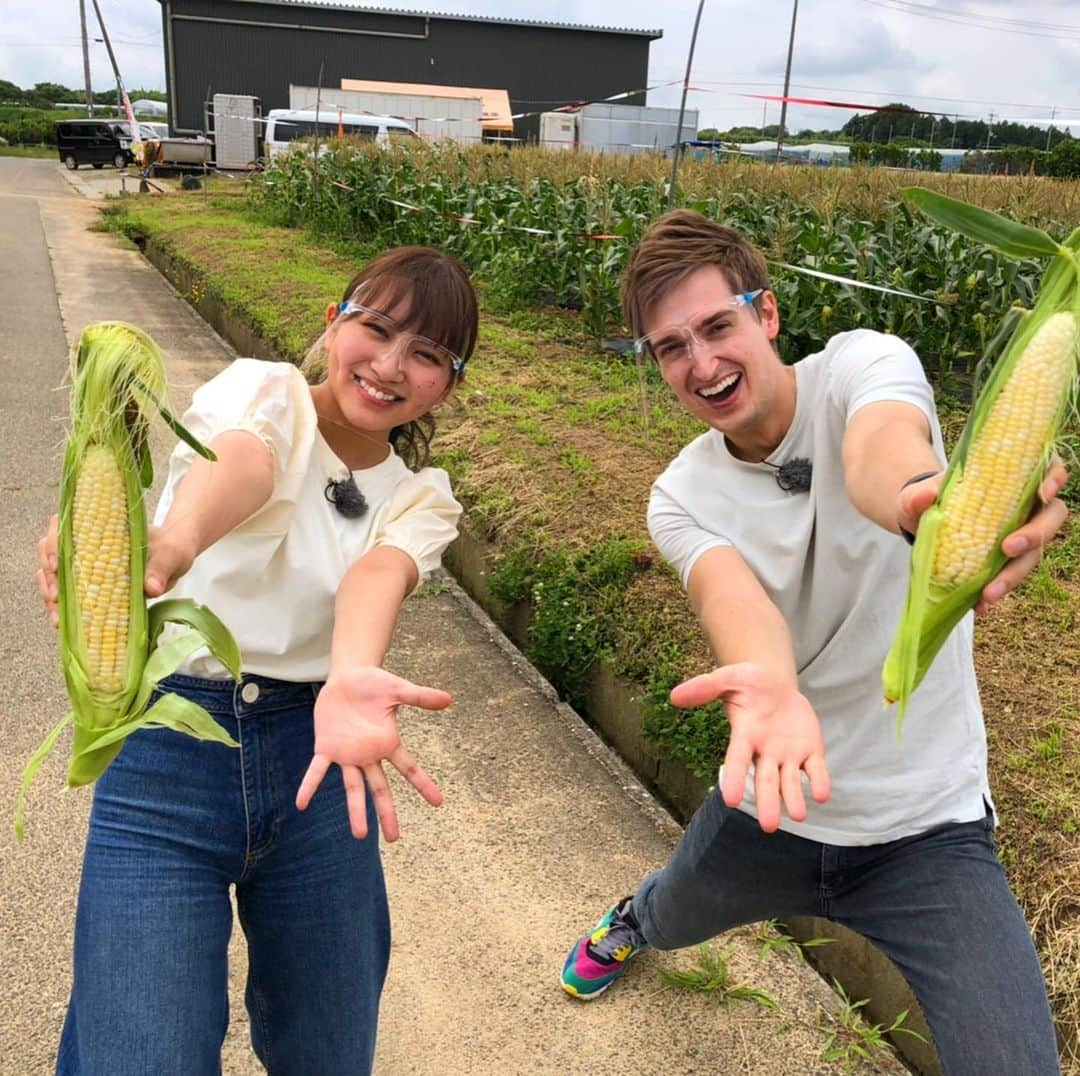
point(773, 727)
point(356, 728)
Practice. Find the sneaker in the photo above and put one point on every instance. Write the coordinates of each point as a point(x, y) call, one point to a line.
point(599, 958)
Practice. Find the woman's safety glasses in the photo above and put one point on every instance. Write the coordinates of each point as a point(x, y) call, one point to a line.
point(673, 343)
point(413, 351)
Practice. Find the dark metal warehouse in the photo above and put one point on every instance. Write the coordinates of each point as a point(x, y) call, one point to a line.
point(259, 47)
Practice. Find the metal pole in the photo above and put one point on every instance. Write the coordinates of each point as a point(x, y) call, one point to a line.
point(682, 107)
point(787, 80)
point(86, 60)
point(1050, 128)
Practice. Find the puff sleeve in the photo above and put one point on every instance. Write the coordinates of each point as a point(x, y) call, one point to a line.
point(421, 518)
point(268, 399)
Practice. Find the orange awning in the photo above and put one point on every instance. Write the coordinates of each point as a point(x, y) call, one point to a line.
point(494, 104)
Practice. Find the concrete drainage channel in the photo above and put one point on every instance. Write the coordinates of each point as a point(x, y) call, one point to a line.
point(859, 967)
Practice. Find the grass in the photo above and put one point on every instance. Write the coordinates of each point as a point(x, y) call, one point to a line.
point(28, 151)
point(549, 448)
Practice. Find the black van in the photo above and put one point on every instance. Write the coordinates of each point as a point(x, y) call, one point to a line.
point(95, 142)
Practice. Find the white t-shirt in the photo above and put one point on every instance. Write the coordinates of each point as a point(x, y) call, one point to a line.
point(840, 581)
point(272, 580)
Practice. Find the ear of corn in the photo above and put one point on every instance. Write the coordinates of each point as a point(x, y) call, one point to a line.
point(992, 481)
point(108, 636)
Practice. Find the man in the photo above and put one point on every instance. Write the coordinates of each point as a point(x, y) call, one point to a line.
point(784, 521)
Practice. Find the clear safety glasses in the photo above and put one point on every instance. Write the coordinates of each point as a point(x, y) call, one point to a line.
point(411, 350)
point(673, 343)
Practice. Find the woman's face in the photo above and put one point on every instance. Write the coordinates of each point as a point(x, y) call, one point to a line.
point(379, 374)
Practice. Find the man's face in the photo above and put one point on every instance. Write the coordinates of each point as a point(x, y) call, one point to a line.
point(716, 352)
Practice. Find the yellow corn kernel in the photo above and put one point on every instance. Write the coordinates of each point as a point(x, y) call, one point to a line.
point(1009, 446)
point(101, 563)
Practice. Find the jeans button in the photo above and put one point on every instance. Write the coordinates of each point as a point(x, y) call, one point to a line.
point(249, 692)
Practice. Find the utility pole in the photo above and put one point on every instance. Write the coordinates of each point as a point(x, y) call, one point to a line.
point(787, 79)
point(682, 107)
point(122, 97)
point(989, 130)
point(86, 61)
point(1050, 127)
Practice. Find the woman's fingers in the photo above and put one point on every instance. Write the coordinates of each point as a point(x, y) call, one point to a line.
point(45, 577)
point(355, 800)
point(316, 771)
point(414, 773)
point(384, 802)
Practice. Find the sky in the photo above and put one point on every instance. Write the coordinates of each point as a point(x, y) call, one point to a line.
point(989, 60)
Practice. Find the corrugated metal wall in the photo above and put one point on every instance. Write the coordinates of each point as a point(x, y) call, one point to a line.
point(225, 46)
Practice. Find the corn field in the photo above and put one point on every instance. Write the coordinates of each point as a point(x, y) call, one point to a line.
point(527, 224)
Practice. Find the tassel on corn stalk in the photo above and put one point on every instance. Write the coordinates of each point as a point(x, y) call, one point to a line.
point(994, 474)
point(108, 636)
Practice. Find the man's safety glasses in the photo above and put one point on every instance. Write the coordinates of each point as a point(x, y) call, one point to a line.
point(673, 343)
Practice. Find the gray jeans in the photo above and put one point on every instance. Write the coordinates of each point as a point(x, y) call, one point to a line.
point(937, 904)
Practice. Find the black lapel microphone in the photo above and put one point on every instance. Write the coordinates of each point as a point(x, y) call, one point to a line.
point(345, 496)
point(793, 476)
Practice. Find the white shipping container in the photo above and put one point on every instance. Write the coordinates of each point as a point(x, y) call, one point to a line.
point(457, 118)
point(558, 130)
point(610, 128)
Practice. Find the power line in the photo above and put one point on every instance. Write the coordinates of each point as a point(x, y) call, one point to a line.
point(936, 10)
point(894, 95)
point(1067, 33)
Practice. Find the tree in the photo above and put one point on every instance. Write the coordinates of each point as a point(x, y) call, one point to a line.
point(1064, 160)
point(10, 93)
point(52, 92)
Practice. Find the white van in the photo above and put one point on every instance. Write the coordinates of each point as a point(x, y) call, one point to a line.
point(286, 125)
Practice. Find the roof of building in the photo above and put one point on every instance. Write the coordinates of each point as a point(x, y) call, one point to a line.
point(538, 23)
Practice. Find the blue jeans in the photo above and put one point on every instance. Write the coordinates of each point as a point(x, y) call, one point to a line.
point(176, 822)
point(937, 904)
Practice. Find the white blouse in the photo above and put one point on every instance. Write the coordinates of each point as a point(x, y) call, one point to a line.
point(272, 580)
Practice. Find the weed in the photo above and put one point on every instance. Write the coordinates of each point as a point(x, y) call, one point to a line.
point(851, 1041)
point(773, 938)
point(711, 976)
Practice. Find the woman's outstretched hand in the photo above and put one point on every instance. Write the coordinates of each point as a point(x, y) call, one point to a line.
point(356, 727)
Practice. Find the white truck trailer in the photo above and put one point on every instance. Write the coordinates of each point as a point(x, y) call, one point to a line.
point(603, 127)
point(433, 118)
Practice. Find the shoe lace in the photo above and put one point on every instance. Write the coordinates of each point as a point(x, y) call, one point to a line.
point(620, 935)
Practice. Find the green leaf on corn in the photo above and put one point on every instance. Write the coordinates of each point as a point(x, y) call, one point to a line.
point(993, 477)
point(109, 637)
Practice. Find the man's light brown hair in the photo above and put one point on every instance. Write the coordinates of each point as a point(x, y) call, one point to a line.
point(676, 245)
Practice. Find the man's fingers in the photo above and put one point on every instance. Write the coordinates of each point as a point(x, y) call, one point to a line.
point(710, 686)
point(355, 800)
point(414, 773)
point(384, 801)
point(767, 793)
point(736, 765)
point(1056, 480)
point(1034, 534)
point(820, 782)
point(312, 779)
point(791, 790)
